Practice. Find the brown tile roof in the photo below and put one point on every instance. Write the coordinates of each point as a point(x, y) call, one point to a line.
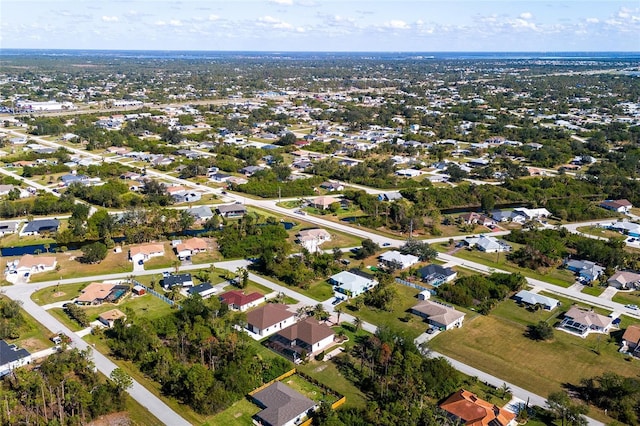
point(268, 315)
point(239, 298)
point(95, 291)
point(475, 411)
point(589, 318)
point(146, 249)
point(438, 312)
point(112, 315)
point(29, 261)
point(192, 244)
point(632, 334)
point(308, 330)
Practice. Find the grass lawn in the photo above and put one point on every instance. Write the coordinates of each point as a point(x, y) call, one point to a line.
point(166, 261)
point(114, 263)
point(319, 290)
point(599, 232)
point(498, 346)
point(510, 311)
point(15, 240)
point(239, 414)
point(560, 277)
point(627, 298)
point(59, 293)
point(326, 373)
point(308, 389)
point(147, 306)
point(406, 298)
point(593, 291)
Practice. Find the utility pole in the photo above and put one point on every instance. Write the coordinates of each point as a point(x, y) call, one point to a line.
point(279, 195)
point(411, 228)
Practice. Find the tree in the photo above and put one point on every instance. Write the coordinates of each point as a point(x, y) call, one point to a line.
point(287, 139)
point(357, 323)
point(563, 408)
point(94, 252)
point(121, 380)
point(540, 331)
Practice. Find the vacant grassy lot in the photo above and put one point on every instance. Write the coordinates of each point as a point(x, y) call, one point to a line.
point(560, 277)
point(593, 291)
point(599, 232)
point(33, 335)
point(628, 298)
point(114, 263)
point(239, 414)
point(59, 293)
point(15, 240)
point(497, 345)
point(308, 389)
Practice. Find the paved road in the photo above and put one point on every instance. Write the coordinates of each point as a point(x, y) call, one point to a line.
point(158, 408)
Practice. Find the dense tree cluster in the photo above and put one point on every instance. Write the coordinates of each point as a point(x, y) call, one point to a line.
point(196, 354)
point(65, 390)
point(11, 319)
point(480, 291)
point(268, 184)
point(618, 395)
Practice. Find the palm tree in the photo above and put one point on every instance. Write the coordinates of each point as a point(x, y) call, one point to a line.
point(176, 265)
point(338, 310)
point(357, 323)
point(504, 390)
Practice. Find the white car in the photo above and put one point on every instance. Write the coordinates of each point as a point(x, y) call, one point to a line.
point(632, 307)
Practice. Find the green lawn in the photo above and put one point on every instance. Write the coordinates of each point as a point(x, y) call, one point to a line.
point(326, 373)
point(593, 291)
point(510, 311)
point(15, 240)
point(627, 298)
point(560, 277)
point(147, 306)
point(239, 414)
point(59, 293)
point(33, 335)
point(406, 298)
point(61, 316)
point(496, 344)
point(308, 389)
point(139, 415)
point(69, 267)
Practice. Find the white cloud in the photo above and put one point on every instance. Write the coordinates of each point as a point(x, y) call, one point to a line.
point(397, 24)
point(160, 23)
point(272, 22)
point(282, 2)
point(175, 23)
point(592, 20)
point(213, 17)
point(526, 15)
point(521, 23)
point(110, 19)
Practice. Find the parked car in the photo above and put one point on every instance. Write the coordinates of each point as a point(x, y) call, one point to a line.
point(386, 244)
point(632, 307)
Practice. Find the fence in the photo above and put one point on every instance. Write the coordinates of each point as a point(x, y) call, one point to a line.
point(277, 379)
point(414, 285)
point(158, 295)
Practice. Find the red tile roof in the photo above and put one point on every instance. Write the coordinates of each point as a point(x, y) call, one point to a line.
point(239, 298)
point(475, 411)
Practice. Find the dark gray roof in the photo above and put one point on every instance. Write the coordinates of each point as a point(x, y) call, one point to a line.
point(179, 279)
point(282, 404)
point(228, 208)
point(10, 353)
point(200, 288)
point(42, 225)
point(435, 269)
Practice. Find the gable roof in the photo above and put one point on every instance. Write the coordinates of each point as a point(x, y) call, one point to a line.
point(112, 315)
point(239, 298)
point(200, 212)
point(231, 208)
point(624, 278)
point(41, 224)
point(192, 244)
point(432, 269)
point(632, 334)
point(282, 404)
point(146, 249)
point(200, 288)
point(268, 315)
point(589, 318)
point(95, 291)
point(475, 411)
point(10, 353)
point(394, 256)
point(533, 298)
point(351, 281)
point(308, 330)
point(178, 279)
point(438, 312)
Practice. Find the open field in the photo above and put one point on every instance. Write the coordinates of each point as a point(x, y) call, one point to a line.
point(59, 293)
point(70, 267)
point(496, 344)
point(239, 414)
point(560, 277)
point(628, 298)
point(15, 240)
point(599, 232)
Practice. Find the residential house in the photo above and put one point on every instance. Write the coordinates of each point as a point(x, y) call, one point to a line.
point(531, 214)
point(231, 210)
point(180, 194)
point(396, 260)
point(390, 196)
point(238, 300)
point(281, 406)
point(219, 177)
point(110, 317)
point(251, 170)
point(181, 280)
point(465, 407)
point(620, 206)
point(70, 179)
point(487, 244)
point(353, 283)
point(440, 316)
point(323, 202)
point(627, 228)
point(474, 218)
point(140, 254)
point(22, 193)
point(582, 322)
point(436, 275)
point(533, 299)
point(190, 247)
point(94, 294)
point(12, 357)
point(205, 290)
point(40, 226)
point(302, 339)
point(631, 340)
point(7, 228)
point(587, 270)
point(311, 239)
point(268, 319)
point(409, 173)
point(202, 213)
point(28, 265)
point(625, 280)
point(236, 180)
point(332, 186)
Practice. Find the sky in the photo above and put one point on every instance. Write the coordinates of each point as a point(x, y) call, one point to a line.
point(323, 25)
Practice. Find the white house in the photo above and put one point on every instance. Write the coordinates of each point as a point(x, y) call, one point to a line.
point(29, 265)
point(311, 239)
point(439, 315)
point(140, 254)
point(620, 206)
point(487, 244)
point(531, 214)
point(269, 319)
point(395, 259)
point(12, 357)
point(533, 299)
point(348, 284)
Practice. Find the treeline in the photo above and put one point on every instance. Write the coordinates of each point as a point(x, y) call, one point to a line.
point(43, 204)
point(64, 390)
point(11, 319)
point(403, 384)
point(267, 184)
point(619, 396)
point(251, 237)
point(196, 354)
point(548, 247)
point(481, 292)
point(298, 270)
point(374, 173)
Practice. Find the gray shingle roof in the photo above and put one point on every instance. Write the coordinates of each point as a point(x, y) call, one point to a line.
point(282, 404)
